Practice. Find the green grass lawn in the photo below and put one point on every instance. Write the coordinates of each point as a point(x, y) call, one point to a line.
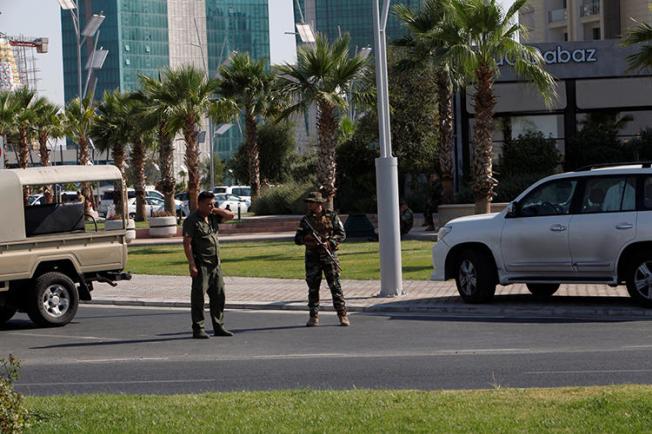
point(283, 259)
point(615, 409)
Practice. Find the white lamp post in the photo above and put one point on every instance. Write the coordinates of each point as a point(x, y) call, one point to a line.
point(220, 131)
point(391, 278)
point(89, 31)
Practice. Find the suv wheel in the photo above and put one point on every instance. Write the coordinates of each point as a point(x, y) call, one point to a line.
point(54, 301)
point(6, 313)
point(475, 277)
point(542, 290)
point(638, 278)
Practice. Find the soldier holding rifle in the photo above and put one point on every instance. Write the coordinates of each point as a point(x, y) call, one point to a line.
point(321, 231)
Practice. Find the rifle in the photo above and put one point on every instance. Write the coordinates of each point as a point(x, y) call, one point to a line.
point(321, 243)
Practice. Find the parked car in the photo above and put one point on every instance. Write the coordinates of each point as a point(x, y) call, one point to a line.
point(152, 205)
point(242, 191)
point(231, 202)
point(593, 225)
point(107, 199)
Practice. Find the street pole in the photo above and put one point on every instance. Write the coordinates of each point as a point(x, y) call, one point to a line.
point(391, 278)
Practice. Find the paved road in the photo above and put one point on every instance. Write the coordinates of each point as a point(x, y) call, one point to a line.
point(140, 350)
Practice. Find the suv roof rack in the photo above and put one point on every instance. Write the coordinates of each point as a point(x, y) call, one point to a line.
point(644, 165)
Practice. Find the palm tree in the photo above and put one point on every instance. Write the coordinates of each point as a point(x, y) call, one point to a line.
point(48, 125)
point(425, 46)
point(250, 86)
point(158, 104)
point(110, 131)
point(640, 34)
point(191, 97)
point(23, 122)
point(78, 120)
point(323, 75)
point(7, 113)
point(140, 128)
point(479, 34)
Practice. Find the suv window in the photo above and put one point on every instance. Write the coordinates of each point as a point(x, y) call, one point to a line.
point(609, 194)
point(552, 198)
point(647, 193)
point(242, 191)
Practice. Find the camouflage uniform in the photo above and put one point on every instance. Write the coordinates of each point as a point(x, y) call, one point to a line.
point(206, 252)
point(330, 229)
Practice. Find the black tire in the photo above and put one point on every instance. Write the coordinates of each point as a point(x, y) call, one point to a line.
point(638, 284)
point(132, 215)
point(54, 301)
point(475, 277)
point(6, 313)
point(543, 290)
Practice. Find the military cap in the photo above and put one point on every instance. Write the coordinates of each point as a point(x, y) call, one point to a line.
point(314, 196)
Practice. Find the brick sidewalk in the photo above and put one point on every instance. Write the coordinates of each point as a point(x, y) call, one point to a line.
point(597, 301)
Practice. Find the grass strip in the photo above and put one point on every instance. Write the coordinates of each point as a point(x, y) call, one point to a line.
point(283, 259)
point(614, 409)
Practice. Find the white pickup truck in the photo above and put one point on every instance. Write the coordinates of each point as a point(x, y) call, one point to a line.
point(51, 253)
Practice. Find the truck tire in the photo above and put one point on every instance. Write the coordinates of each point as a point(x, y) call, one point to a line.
point(638, 277)
point(542, 290)
point(475, 277)
point(54, 300)
point(6, 313)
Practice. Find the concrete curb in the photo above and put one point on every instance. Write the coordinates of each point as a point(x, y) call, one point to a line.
point(606, 313)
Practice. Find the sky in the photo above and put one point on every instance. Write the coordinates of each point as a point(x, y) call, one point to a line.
point(41, 18)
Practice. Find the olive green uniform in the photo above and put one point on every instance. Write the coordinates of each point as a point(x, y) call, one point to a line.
point(210, 279)
point(329, 228)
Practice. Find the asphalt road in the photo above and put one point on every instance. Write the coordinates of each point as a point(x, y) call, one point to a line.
point(139, 350)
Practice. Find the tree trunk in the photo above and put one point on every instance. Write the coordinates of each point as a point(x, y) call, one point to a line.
point(87, 190)
point(483, 180)
point(43, 148)
point(23, 152)
point(192, 162)
point(254, 156)
point(445, 107)
point(118, 152)
point(326, 163)
point(166, 161)
point(138, 162)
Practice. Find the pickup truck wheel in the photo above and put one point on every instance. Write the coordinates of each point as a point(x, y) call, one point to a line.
point(475, 277)
point(6, 313)
point(542, 290)
point(54, 301)
point(638, 278)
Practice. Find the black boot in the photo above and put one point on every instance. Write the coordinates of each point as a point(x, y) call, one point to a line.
point(199, 334)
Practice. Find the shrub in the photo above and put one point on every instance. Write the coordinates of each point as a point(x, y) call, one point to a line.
point(282, 199)
point(530, 151)
point(13, 413)
point(525, 160)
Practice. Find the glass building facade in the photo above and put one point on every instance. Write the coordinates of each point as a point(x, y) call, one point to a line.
point(134, 32)
point(235, 25)
point(355, 17)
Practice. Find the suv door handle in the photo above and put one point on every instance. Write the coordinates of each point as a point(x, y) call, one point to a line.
point(558, 228)
point(624, 226)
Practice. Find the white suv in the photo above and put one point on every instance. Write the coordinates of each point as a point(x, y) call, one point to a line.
point(593, 225)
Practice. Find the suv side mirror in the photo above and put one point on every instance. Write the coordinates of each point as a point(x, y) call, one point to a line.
point(512, 209)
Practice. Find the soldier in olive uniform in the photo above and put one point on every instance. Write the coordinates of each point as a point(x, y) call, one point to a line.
point(202, 250)
point(322, 257)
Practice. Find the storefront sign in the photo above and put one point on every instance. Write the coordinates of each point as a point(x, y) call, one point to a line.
point(586, 59)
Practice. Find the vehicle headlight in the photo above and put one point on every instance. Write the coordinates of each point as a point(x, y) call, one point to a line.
point(443, 231)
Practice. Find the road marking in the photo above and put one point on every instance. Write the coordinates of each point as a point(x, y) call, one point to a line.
point(98, 383)
point(124, 359)
point(592, 371)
